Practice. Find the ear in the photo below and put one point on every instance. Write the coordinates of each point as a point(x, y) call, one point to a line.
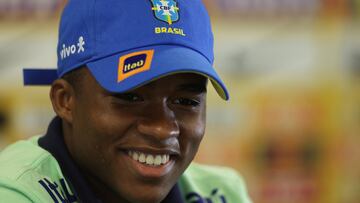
point(62, 96)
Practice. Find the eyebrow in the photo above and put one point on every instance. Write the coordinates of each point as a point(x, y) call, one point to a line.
point(193, 87)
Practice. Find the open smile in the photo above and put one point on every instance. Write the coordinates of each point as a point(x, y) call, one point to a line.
point(149, 159)
point(150, 165)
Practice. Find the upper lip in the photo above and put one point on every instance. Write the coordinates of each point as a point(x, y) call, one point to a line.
point(153, 150)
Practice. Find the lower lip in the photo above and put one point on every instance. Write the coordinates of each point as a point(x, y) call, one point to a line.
point(147, 171)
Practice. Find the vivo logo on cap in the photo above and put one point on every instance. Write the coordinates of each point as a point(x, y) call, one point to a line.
point(67, 51)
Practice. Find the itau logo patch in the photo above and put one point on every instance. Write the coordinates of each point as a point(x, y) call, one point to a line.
point(134, 63)
point(166, 10)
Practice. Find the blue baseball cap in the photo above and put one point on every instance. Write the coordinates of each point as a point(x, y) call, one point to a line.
point(128, 43)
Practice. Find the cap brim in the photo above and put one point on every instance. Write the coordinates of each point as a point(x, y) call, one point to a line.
point(166, 60)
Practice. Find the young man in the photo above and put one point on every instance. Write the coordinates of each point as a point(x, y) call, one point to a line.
point(130, 99)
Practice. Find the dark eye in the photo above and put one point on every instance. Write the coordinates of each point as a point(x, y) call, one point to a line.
point(187, 102)
point(129, 97)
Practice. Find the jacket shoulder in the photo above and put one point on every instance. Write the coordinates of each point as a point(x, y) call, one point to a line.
point(13, 196)
point(25, 168)
point(201, 183)
point(20, 157)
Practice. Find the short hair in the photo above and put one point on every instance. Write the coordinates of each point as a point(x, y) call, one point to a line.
point(75, 78)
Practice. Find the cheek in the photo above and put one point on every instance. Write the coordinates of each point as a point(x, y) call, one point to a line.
point(191, 133)
point(90, 144)
point(96, 133)
point(98, 154)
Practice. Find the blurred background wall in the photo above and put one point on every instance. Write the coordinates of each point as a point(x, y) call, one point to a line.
point(292, 126)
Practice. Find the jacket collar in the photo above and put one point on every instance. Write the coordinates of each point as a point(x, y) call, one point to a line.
point(54, 143)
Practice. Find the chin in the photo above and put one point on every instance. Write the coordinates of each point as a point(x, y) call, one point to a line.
point(147, 194)
point(153, 198)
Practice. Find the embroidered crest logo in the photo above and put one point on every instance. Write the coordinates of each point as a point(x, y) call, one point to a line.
point(166, 10)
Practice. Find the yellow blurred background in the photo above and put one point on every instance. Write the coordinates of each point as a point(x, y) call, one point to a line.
point(292, 126)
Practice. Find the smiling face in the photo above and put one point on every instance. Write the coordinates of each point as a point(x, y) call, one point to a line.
point(133, 147)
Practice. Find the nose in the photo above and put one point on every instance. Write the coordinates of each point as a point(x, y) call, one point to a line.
point(159, 122)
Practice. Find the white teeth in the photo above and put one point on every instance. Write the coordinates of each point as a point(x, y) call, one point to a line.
point(163, 159)
point(135, 156)
point(142, 158)
point(149, 159)
point(157, 160)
